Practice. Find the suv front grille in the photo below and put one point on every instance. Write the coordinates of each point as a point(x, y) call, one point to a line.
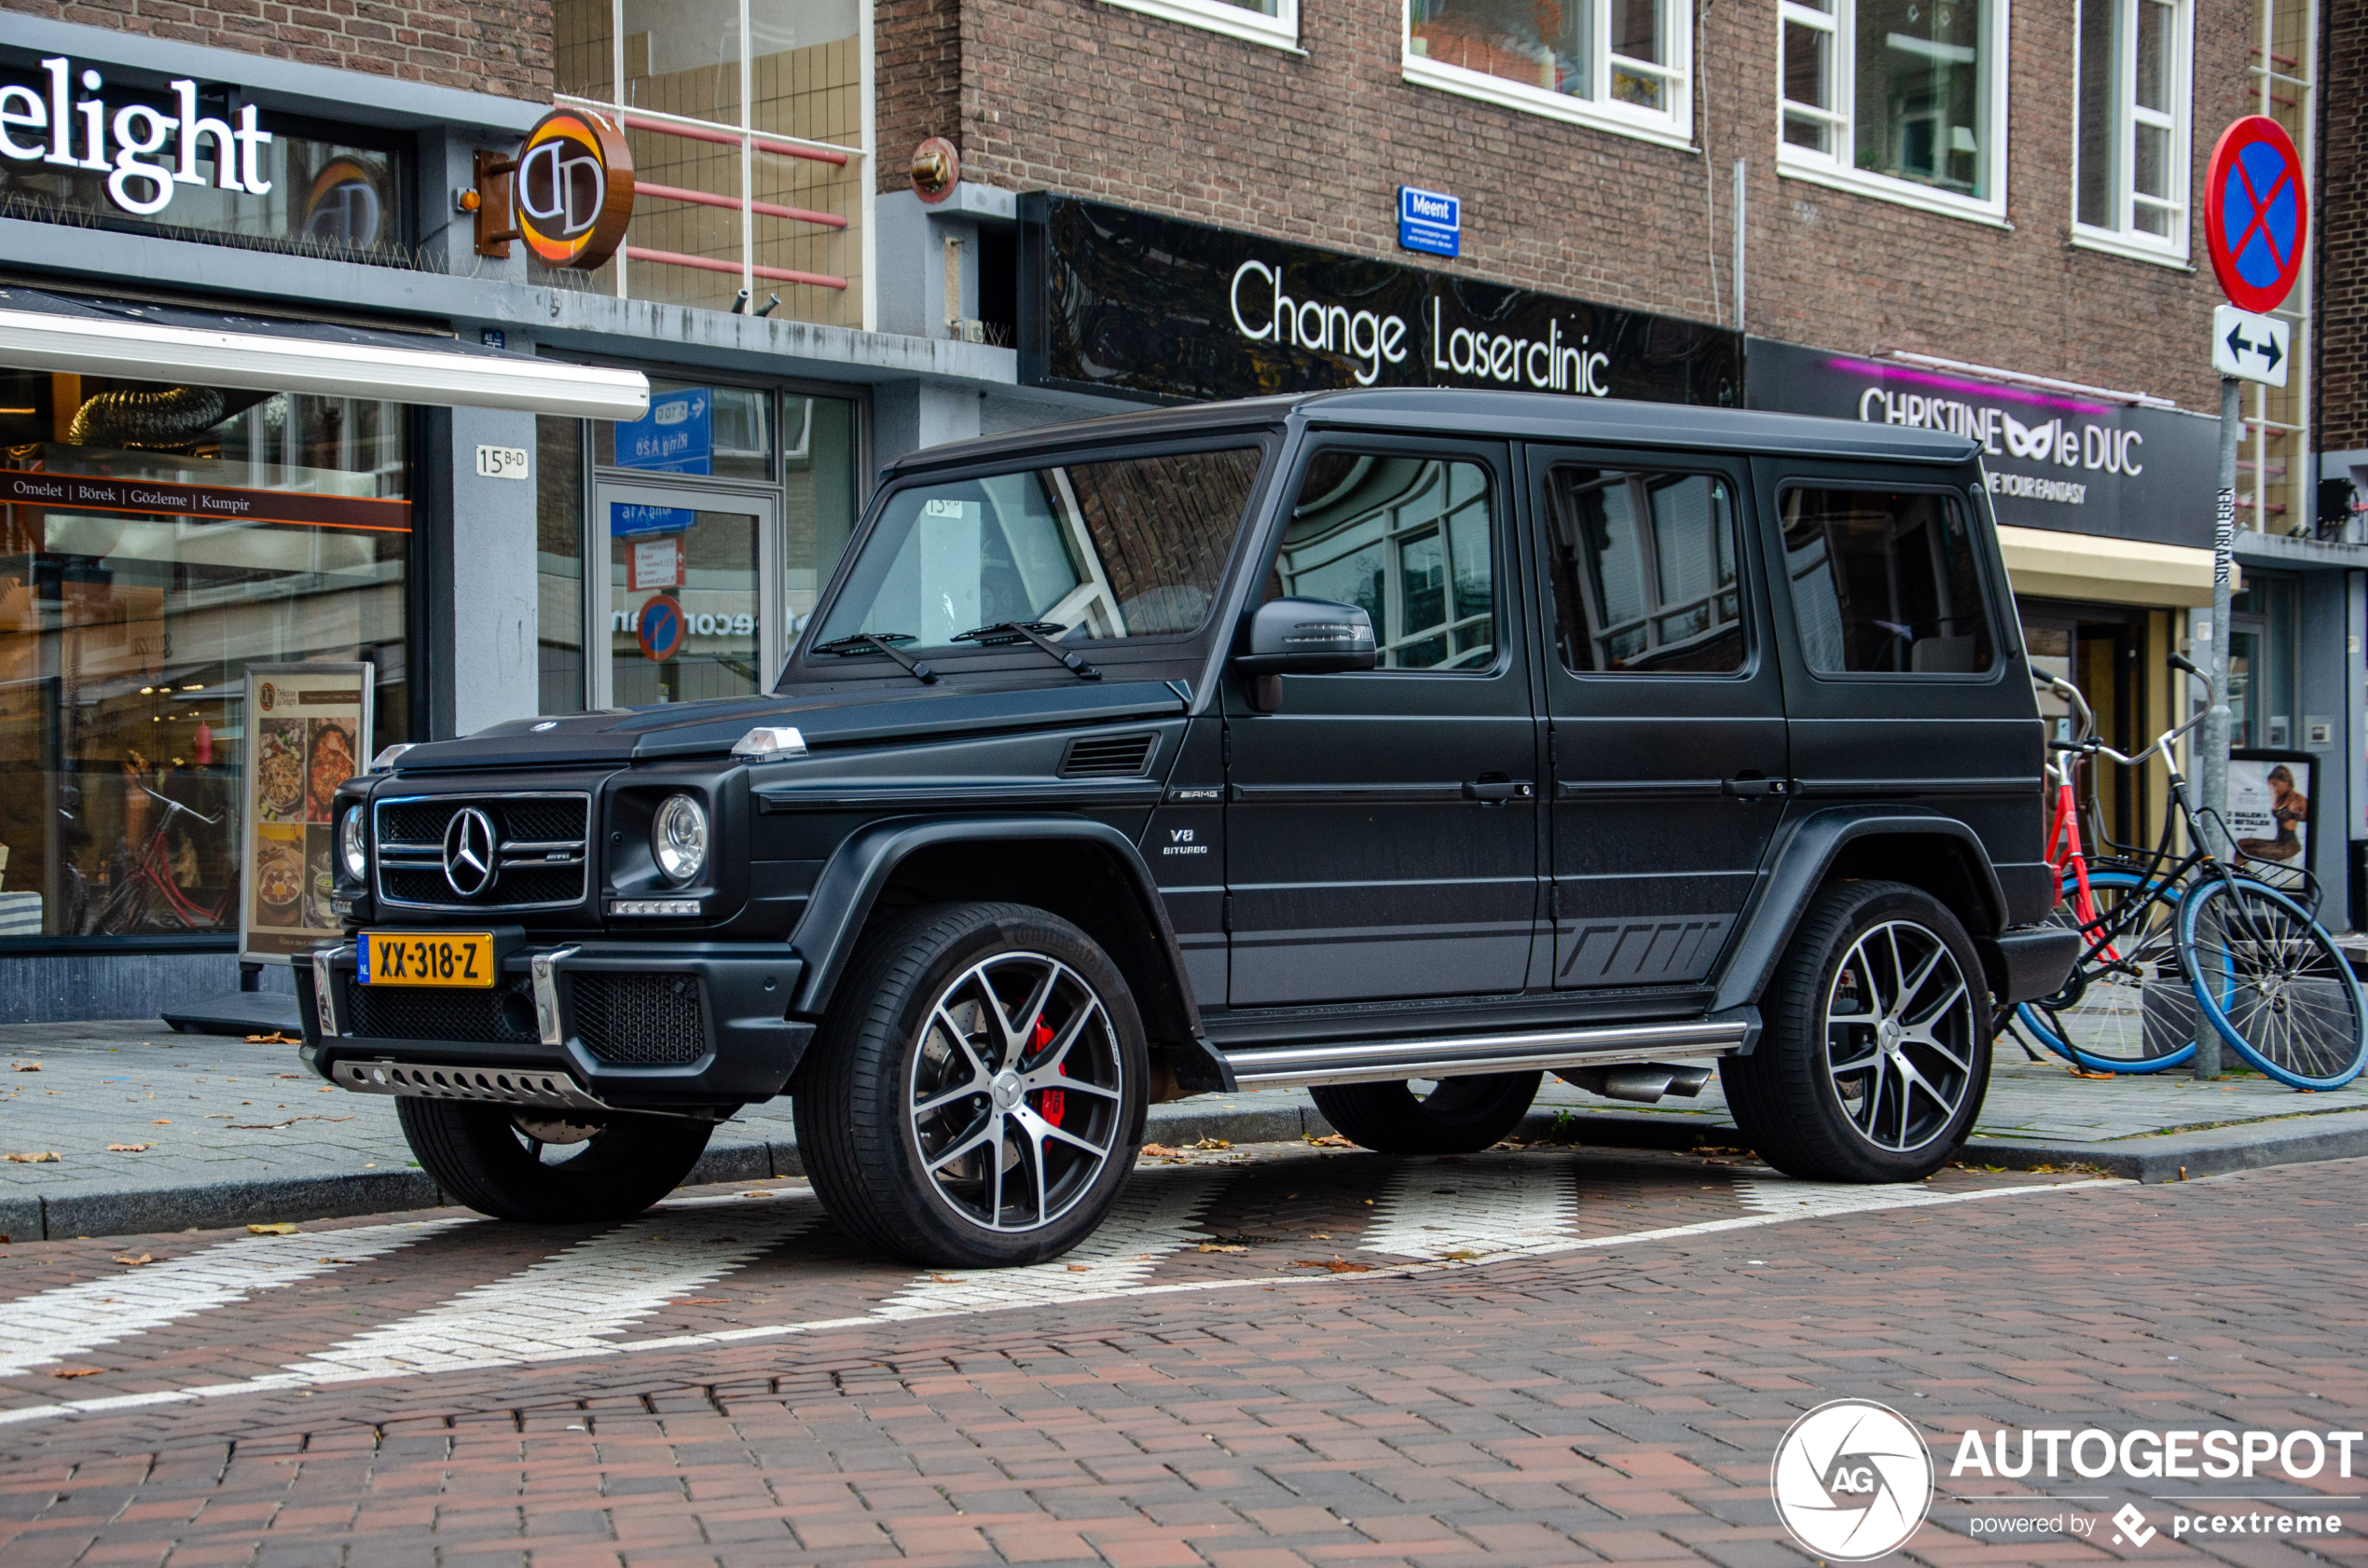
point(543, 843)
point(486, 1017)
point(639, 1019)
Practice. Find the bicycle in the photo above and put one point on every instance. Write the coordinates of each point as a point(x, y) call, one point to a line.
point(2175, 940)
point(127, 909)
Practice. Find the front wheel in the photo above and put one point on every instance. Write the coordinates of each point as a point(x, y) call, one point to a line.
point(1453, 1116)
point(2274, 983)
point(975, 1098)
point(550, 1167)
point(1875, 1051)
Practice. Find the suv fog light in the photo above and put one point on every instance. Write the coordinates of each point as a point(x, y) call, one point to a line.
point(678, 838)
point(350, 848)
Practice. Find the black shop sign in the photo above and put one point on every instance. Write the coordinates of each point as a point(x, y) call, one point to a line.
point(1116, 302)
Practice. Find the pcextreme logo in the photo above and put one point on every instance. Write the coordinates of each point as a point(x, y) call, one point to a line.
point(1852, 1481)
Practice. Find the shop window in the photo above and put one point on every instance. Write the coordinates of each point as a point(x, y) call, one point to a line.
point(208, 529)
point(1261, 21)
point(2135, 62)
point(1883, 583)
point(1900, 99)
point(746, 120)
point(1619, 64)
point(1410, 539)
point(1644, 574)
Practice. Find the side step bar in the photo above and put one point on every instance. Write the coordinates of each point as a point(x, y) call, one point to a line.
point(1539, 1051)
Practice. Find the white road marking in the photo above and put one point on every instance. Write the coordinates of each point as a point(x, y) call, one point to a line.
point(1805, 1200)
point(569, 1303)
point(1149, 1220)
point(106, 1404)
point(46, 1327)
point(1485, 1206)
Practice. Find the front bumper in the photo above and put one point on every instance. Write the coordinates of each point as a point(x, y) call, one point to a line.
point(679, 1027)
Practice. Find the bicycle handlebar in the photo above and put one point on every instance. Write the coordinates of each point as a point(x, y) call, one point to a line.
point(2164, 741)
point(171, 805)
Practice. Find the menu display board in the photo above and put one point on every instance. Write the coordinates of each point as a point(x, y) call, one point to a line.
point(307, 728)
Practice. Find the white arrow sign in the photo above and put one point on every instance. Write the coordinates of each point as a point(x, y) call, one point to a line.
point(2252, 348)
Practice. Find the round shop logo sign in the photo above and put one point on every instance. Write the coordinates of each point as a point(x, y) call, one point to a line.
point(572, 191)
point(1852, 1481)
point(266, 696)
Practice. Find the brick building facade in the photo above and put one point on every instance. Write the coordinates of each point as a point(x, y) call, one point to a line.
point(2343, 241)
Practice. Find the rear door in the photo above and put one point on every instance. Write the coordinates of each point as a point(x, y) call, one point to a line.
point(1664, 705)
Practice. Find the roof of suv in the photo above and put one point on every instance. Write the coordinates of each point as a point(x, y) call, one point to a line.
point(1530, 416)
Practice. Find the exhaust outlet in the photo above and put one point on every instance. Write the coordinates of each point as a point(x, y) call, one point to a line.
point(1643, 1083)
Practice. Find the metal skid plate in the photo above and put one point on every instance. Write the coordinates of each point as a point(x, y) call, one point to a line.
point(437, 1082)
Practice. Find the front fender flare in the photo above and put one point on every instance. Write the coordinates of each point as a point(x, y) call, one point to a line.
point(852, 878)
point(1803, 853)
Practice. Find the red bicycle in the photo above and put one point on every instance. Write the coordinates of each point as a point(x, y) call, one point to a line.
point(146, 898)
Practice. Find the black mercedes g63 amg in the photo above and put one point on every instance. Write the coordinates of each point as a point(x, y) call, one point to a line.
point(1404, 745)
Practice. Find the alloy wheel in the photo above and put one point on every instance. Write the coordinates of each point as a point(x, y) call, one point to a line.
point(1900, 1035)
point(1015, 1091)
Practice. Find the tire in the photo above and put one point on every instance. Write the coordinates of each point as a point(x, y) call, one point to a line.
point(1459, 1115)
point(2133, 1012)
point(925, 1062)
point(1825, 1097)
point(479, 1154)
point(2274, 983)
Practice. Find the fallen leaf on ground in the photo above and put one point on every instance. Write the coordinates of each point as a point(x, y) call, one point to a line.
point(275, 1037)
point(278, 1227)
point(40, 1157)
point(1330, 1140)
point(268, 1126)
point(1158, 1151)
point(28, 1066)
point(945, 1279)
point(1219, 1246)
point(161, 1122)
point(1213, 1143)
point(1079, 1269)
point(129, 1147)
point(130, 1262)
point(1461, 1255)
point(1336, 1265)
point(77, 1372)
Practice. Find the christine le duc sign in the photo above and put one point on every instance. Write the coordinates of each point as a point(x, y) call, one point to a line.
point(1118, 302)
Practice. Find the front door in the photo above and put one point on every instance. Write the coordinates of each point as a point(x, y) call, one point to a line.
point(1381, 826)
point(1665, 710)
point(691, 599)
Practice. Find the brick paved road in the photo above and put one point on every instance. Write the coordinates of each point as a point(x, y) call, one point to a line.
point(1536, 1357)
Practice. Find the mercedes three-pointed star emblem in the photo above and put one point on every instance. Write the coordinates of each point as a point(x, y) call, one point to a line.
point(469, 854)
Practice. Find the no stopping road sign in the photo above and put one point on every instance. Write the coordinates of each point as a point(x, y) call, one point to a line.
point(2257, 214)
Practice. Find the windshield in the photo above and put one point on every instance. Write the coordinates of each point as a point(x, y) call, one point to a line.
point(1135, 547)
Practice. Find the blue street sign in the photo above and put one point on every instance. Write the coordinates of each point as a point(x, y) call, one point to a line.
point(1429, 221)
point(676, 437)
point(630, 519)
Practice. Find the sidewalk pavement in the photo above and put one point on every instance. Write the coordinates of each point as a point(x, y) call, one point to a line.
point(154, 1131)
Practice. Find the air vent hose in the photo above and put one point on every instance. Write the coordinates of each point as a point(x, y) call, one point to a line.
point(159, 419)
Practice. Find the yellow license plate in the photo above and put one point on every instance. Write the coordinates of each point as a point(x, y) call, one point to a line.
point(424, 958)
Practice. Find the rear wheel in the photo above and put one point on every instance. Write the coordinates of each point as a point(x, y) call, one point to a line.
point(1452, 1116)
point(975, 1098)
point(2128, 1009)
point(2274, 983)
point(1875, 1051)
point(550, 1167)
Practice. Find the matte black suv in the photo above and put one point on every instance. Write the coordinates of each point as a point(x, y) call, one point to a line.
point(1406, 745)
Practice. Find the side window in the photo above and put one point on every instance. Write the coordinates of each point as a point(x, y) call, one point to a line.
point(1644, 573)
point(1883, 583)
point(1409, 539)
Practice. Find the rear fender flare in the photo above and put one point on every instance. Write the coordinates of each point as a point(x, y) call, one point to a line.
point(1804, 854)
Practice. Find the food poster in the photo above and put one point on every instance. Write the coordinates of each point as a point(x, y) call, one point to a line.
point(2269, 813)
point(307, 728)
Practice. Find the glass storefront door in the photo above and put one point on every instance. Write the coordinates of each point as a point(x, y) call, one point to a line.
point(691, 595)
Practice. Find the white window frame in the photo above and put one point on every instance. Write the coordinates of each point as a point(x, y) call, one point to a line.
point(1838, 170)
point(1279, 31)
point(2126, 239)
point(1673, 128)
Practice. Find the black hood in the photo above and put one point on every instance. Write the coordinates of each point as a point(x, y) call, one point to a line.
point(620, 737)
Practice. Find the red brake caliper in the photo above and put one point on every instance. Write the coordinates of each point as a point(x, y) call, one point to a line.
point(1051, 1104)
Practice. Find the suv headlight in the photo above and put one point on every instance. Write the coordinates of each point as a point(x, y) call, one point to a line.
point(678, 838)
point(352, 850)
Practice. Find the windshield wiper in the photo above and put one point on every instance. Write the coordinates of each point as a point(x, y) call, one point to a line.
point(1004, 633)
point(857, 643)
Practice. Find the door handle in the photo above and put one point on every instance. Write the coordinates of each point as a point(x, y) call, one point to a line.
point(1496, 792)
point(1756, 789)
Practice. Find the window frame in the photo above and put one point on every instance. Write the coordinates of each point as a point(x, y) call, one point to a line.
point(1969, 514)
point(1673, 128)
point(1278, 31)
point(1738, 525)
point(2126, 239)
point(1841, 170)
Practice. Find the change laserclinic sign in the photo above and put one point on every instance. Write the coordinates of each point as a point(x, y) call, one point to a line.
point(1116, 302)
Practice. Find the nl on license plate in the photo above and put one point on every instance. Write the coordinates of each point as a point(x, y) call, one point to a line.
point(414, 959)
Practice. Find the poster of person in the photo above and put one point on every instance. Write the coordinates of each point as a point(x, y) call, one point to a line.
point(306, 728)
point(2269, 813)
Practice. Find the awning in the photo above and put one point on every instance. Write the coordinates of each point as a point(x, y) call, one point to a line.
point(137, 342)
point(2044, 564)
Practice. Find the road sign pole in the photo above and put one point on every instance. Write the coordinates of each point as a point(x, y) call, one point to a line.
point(2212, 767)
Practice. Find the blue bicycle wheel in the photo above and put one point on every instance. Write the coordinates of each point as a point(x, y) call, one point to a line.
point(2136, 1012)
point(2274, 983)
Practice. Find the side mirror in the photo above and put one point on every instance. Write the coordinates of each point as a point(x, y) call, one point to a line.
point(1302, 636)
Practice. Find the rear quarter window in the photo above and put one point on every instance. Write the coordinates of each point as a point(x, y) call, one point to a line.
point(1883, 582)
